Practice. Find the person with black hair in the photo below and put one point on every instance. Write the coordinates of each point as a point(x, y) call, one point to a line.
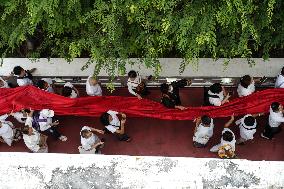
point(228, 140)
point(203, 131)
point(91, 143)
point(246, 86)
point(279, 83)
point(274, 121)
point(115, 125)
point(247, 125)
point(23, 77)
point(70, 91)
point(170, 93)
point(44, 85)
point(137, 85)
point(35, 141)
point(217, 95)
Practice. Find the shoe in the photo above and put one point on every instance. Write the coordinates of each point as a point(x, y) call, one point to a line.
point(128, 140)
point(262, 135)
point(63, 138)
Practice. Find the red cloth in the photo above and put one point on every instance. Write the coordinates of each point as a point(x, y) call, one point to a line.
point(32, 97)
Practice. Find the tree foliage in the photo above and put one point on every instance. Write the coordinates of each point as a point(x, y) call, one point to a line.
point(111, 31)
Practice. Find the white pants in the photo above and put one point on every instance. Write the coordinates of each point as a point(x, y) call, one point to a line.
point(83, 151)
point(215, 148)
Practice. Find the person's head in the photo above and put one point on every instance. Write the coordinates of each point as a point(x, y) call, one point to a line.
point(227, 136)
point(26, 130)
point(276, 107)
point(18, 70)
point(42, 84)
point(249, 121)
point(86, 133)
point(164, 88)
point(282, 71)
point(132, 75)
point(245, 81)
point(25, 112)
point(105, 119)
point(216, 88)
point(206, 120)
point(47, 113)
point(66, 91)
point(93, 81)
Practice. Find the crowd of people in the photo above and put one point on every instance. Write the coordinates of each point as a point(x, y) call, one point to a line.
point(38, 125)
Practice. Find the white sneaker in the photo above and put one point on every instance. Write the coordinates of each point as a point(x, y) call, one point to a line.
point(63, 138)
point(264, 136)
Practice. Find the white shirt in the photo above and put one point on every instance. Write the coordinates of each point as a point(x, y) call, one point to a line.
point(87, 143)
point(246, 132)
point(115, 123)
point(275, 118)
point(203, 134)
point(6, 131)
point(73, 93)
point(5, 84)
point(3, 117)
point(232, 143)
point(45, 125)
point(32, 142)
point(133, 84)
point(19, 116)
point(279, 81)
point(24, 81)
point(216, 101)
point(245, 91)
point(93, 90)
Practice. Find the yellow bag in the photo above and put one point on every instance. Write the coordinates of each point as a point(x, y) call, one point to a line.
point(226, 152)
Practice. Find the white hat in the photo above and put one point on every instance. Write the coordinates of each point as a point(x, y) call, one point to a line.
point(47, 113)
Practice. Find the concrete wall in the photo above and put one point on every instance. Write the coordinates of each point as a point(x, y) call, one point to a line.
point(60, 171)
point(170, 67)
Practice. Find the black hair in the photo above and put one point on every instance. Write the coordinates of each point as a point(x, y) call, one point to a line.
point(84, 133)
point(275, 106)
point(41, 84)
point(249, 121)
point(206, 120)
point(27, 110)
point(164, 88)
point(67, 91)
point(282, 71)
point(105, 119)
point(132, 74)
point(17, 70)
point(245, 81)
point(227, 136)
point(216, 88)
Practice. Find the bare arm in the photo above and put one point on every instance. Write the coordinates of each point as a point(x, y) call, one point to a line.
point(230, 121)
point(258, 115)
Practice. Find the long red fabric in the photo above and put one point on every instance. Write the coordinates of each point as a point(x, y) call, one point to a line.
point(34, 98)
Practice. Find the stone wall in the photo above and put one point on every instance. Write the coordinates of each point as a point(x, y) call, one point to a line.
point(170, 67)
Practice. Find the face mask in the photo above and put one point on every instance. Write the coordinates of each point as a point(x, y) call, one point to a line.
point(171, 88)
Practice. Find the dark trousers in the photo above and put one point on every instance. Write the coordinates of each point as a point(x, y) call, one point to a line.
point(269, 132)
point(54, 132)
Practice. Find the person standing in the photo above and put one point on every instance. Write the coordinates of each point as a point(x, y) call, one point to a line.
point(274, 121)
point(203, 131)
